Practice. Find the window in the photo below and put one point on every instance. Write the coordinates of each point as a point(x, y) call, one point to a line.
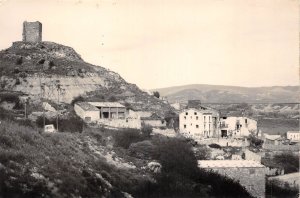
point(246, 121)
point(184, 126)
point(186, 113)
point(252, 171)
point(195, 113)
point(197, 126)
point(209, 118)
point(196, 117)
point(204, 118)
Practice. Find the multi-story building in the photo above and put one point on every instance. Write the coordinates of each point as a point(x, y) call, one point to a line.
point(237, 126)
point(199, 122)
point(294, 136)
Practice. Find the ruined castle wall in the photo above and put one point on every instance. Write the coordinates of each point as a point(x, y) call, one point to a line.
point(32, 32)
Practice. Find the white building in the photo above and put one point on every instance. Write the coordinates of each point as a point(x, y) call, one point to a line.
point(237, 126)
point(87, 112)
point(111, 114)
point(294, 136)
point(199, 123)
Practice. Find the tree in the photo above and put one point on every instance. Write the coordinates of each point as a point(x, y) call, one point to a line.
point(288, 161)
point(156, 94)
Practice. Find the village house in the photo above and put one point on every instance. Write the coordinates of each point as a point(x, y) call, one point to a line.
point(293, 136)
point(272, 139)
point(111, 114)
point(237, 126)
point(198, 122)
point(250, 174)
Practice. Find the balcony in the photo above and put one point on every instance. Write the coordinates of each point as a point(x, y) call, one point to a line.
point(222, 126)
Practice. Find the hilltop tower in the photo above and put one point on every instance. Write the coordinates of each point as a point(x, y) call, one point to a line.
point(32, 32)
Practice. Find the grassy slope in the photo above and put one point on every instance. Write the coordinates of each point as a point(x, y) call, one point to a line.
point(57, 165)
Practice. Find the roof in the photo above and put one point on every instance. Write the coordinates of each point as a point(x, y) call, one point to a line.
point(287, 176)
point(106, 104)
point(229, 164)
point(272, 137)
point(154, 116)
point(293, 132)
point(203, 111)
point(86, 106)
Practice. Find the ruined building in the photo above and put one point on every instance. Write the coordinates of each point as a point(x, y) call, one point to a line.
point(32, 32)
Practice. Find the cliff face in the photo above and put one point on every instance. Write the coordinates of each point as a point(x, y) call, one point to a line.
point(37, 69)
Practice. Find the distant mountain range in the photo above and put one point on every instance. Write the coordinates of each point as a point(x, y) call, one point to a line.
point(231, 94)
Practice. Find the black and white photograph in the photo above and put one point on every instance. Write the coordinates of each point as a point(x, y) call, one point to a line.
point(149, 98)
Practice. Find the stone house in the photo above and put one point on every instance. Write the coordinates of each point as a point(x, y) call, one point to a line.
point(112, 114)
point(250, 174)
point(272, 139)
point(293, 136)
point(237, 126)
point(198, 123)
point(87, 112)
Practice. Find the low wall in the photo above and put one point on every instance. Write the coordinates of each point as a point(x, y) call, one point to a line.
point(281, 147)
point(120, 123)
point(249, 155)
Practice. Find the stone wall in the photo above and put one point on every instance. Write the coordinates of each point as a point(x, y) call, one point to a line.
point(253, 179)
point(32, 32)
point(249, 155)
point(281, 147)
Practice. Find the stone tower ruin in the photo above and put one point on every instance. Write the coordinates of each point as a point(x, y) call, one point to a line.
point(32, 32)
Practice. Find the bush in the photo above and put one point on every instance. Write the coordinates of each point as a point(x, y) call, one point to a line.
point(156, 94)
point(126, 137)
point(277, 189)
point(216, 146)
point(77, 99)
point(142, 150)
point(147, 130)
point(288, 161)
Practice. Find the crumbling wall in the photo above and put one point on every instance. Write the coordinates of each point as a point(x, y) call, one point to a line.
point(32, 32)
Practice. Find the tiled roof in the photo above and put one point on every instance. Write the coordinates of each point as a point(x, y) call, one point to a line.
point(229, 164)
point(106, 104)
point(272, 137)
point(87, 107)
point(293, 132)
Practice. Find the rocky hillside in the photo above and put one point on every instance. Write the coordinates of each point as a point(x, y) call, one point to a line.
point(231, 94)
point(38, 69)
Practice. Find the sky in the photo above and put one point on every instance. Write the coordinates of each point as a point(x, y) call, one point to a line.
point(162, 43)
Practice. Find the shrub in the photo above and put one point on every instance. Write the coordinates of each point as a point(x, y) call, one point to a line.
point(126, 137)
point(156, 94)
point(143, 150)
point(216, 146)
point(146, 130)
point(77, 99)
point(19, 61)
point(202, 152)
point(288, 161)
point(277, 189)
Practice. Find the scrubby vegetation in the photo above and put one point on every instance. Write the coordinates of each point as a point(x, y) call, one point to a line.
point(287, 161)
point(66, 164)
point(277, 189)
